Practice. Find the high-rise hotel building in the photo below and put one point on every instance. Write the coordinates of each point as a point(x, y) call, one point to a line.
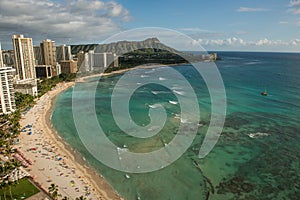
point(24, 57)
point(1, 58)
point(25, 64)
point(7, 100)
point(49, 52)
point(63, 52)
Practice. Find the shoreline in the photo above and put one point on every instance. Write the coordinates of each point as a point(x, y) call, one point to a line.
point(82, 173)
point(40, 118)
point(92, 175)
point(121, 71)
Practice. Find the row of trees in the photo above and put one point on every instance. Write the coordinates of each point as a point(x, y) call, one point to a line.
point(23, 100)
point(6, 184)
point(47, 84)
point(53, 191)
point(9, 132)
point(10, 129)
point(147, 56)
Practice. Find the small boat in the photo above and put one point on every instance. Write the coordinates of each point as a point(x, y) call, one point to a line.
point(264, 93)
point(127, 176)
point(138, 196)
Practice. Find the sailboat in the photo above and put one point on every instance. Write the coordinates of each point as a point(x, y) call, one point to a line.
point(264, 93)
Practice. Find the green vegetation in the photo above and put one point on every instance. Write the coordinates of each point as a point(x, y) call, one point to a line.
point(23, 100)
point(80, 198)
point(9, 132)
point(82, 47)
point(7, 167)
point(53, 191)
point(47, 84)
point(24, 188)
point(147, 56)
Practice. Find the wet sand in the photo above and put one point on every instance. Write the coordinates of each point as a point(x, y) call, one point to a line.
point(54, 161)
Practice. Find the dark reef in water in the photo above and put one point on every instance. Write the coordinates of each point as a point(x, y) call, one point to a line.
point(274, 170)
point(236, 185)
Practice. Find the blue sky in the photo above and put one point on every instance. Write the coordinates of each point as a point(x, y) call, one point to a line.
point(250, 21)
point(216, 25)
point(217, 17)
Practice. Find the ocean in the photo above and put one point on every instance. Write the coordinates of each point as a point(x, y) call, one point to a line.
point(256, 157)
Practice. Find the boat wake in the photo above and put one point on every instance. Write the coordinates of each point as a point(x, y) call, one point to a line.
point(177, 116)
point(258, 135)
point(178, 92)
point(176, 88)
point(159, 92)
point(173, 102)
point(154, 106)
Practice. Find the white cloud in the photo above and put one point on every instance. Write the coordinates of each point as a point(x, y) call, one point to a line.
point(267, 42)
point(295, 3)
point(264, 41)
point(295, 42)
point(295, 7)
point(248, 9)
point(283, 22)
point(76, 20)
point(233, 41)
point(238, 42)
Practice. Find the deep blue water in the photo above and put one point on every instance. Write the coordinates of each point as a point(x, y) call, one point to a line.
point(264, 166)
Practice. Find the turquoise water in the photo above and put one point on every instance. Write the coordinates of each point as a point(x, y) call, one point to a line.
point(239, 167)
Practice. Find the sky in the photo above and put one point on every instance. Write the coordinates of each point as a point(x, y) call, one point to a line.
point(236, 25)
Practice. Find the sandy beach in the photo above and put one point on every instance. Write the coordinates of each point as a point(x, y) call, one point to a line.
point(54, 161)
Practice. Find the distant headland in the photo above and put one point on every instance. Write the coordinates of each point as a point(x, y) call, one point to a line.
point(150, 51)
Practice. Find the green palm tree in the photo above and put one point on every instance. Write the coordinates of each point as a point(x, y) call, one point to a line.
point(8, 150)
point(80, 198)
point(11, 183)
point(3, 186)
point(3, 169)
point(15, 163)
point(53, 190)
